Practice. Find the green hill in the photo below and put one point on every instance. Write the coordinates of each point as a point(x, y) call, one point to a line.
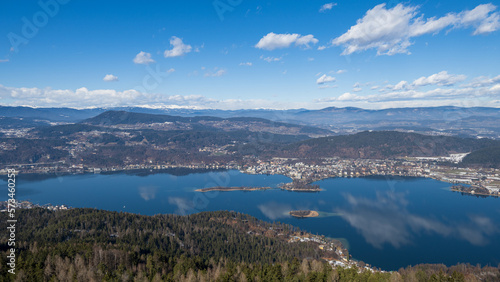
point(486, 157)
point(385, 144)
point(94, 245)
point(114, 118)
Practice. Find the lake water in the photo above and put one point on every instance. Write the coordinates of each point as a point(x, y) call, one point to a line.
point(387, 222)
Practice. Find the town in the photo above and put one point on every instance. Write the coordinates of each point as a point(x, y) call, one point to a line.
point(30, 205)
point(299, 170)
point(305, 171)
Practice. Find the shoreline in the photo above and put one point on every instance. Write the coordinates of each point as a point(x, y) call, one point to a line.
point(229, 189)
point(298, 214)
point(473, 192)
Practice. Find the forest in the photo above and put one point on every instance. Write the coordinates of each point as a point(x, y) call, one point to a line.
point(486, 157)
point(96, 245)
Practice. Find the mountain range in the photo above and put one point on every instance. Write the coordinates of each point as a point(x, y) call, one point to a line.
point(457, 121)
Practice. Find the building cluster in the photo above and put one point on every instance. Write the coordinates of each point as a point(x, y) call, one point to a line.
point(343, 259)
point(59, 168)
point(218, 150)
point(29, 205)
point(334, 167)
point(303, 171)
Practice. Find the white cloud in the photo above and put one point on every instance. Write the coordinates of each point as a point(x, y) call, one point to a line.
point(483, 91)
point(143, 58)
point(325, 79)
point(85, 98)
point(389, 30)
point(81, 97)
point(441, 79)
point(197, 49)
point(248, 64)
point(357, 87)
point(179, 48)
point(322, 47)
point(434, 94)
point(325, 86)
point(495, 89)
point(401, 85)
point(482, 19)
point(216, 73)
point(4, 60)
point(171, 70)
point(483, 81)
point(277, 41)
point(348, 97)
point(110, 77)
point(271, 59)
point(327, 6)
point(341, 71)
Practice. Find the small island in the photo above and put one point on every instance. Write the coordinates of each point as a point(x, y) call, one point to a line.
point(300, 186)
point(236, 188)
point(304, 213)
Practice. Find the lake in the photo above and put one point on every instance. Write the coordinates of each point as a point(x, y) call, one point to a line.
point(387, 222)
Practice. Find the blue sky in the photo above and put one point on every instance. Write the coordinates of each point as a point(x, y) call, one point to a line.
point(233, 54)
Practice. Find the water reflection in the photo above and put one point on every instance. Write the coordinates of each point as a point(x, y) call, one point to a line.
point(183, 204)
point(273, 210)
point(386, 219)
point(148, 192)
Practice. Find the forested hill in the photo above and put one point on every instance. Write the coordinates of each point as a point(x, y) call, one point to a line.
point(486, 157)
point(121, 118)
point(385, 144)
point(93, 245)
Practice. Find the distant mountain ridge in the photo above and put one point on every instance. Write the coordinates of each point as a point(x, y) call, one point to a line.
point(459, 121)
point(117, 118)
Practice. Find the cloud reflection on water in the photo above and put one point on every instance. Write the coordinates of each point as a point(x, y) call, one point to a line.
point(386, 219)
point(148, 192)
point(183, 204)
point(274, 210)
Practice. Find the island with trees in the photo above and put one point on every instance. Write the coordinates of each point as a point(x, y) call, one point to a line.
point(235, 188)
point(300, 186)
point(304, 213)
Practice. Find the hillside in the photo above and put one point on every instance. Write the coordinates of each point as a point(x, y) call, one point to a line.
point(94, 245)
point(385, 144)
point(100, 245)
point(123, 119)
point(485, 157)
point(457, 121)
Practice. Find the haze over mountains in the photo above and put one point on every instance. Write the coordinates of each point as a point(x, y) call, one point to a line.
point(467, 122)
